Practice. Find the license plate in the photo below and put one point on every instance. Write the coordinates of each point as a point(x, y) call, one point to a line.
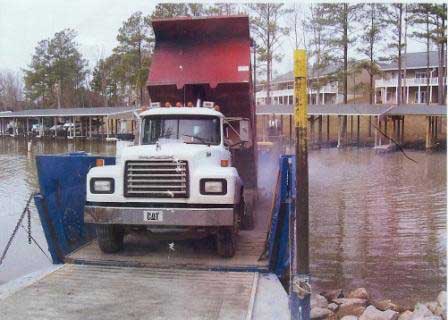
point(152, 215)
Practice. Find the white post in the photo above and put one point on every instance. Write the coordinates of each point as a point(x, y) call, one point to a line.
point(323, 98)
point(385, 95)
point(407, 95)
point(418, 95)
point(42, 127)
point(430, 93)
point(374, 96)
point(74, 126)
point(107, 127)
point(90, 127)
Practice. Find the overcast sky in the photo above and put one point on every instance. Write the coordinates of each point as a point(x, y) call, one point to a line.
point(25, 22)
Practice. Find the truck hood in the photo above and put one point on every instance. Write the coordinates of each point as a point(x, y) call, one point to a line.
point(175, 150)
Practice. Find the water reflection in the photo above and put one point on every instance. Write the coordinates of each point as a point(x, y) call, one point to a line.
point(17, 180)
point(379, 221)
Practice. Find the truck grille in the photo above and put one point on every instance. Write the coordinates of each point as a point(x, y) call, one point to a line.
point(156, 179)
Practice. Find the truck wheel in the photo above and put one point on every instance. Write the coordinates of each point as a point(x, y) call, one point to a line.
point(110, 237)
point(225, 243)
point(246, 214)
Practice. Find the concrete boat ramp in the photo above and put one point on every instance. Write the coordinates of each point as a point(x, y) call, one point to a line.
point(77, 292)
point(151, 280)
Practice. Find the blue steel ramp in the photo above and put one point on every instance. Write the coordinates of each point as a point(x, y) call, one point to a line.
point(60, 203)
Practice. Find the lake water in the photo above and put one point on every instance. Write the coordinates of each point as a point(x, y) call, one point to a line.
point(377, 221)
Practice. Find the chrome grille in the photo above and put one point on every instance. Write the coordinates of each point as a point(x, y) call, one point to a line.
point(156, 179)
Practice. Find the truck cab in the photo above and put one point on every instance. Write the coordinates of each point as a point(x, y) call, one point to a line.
point(179, 176)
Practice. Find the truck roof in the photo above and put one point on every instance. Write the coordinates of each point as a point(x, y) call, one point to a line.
point(182, 111)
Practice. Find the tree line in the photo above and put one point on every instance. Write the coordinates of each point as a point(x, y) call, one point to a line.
point(377, 33)
point(58, 75)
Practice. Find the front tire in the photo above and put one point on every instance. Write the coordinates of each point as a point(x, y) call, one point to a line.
point(226, 243)
point(110, 237)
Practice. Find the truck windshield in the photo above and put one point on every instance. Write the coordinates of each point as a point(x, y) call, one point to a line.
point(189, 129)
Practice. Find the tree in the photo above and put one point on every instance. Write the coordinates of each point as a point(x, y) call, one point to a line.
point(423, 19)
point(372, 35)
point(10, 91)
point(394, 18)
point(107, 81)
point(169, 10)
point(267, 30)
point(57, 72)
point(222, 9)
point(337, 18)
point(439, 37)
point(135, 41)
point(318, 47)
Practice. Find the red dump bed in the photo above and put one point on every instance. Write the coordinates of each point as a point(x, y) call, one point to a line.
point(205, 58)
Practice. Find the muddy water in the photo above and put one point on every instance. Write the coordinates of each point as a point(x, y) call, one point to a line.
point(18, 179)
point(377, 221)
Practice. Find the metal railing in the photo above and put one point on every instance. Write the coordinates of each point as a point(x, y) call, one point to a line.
point(408, 81)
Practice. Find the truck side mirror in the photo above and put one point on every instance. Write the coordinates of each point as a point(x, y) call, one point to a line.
point(244, 130)
point(237, 133)
point(138, 128)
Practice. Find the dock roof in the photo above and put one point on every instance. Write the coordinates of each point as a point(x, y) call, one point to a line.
point(359, 109)
point(69, 112)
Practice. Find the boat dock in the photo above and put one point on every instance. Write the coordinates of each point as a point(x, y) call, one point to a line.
point(385, 122)
point(72, 123)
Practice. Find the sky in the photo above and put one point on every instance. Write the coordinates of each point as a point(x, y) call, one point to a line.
point(25, 22)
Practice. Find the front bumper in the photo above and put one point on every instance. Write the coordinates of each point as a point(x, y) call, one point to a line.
point(185, 217)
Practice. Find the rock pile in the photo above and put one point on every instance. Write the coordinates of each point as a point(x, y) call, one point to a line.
point(358, 305)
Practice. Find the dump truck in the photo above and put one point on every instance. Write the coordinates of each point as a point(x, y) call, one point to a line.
point(192, 170)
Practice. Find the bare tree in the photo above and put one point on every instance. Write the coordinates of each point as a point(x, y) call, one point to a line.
point(11, 91)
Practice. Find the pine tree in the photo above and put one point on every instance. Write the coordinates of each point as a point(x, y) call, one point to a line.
point(135, 41)
point(318, 44)
point(372, 35)
point(266, 28)
point(57, 72)
point(394, 18)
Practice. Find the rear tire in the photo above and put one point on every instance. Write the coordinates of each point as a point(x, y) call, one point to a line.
point(226, 243)
point(110, 237)
point(246, 216)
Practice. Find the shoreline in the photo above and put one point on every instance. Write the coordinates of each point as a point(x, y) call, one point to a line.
point(357, 304)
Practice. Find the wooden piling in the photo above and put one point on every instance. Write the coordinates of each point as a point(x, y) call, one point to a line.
point(428, 137)
point(358, 126)
point(299, 242)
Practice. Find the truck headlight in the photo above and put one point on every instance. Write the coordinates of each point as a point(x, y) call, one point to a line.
point(213, 186)
point(102, 185)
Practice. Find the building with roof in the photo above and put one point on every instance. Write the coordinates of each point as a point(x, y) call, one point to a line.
point(415, 82)
point(330, 91)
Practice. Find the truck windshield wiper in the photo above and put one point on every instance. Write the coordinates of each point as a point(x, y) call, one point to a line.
point(198, 138)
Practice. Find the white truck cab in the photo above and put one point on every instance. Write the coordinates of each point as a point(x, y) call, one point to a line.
point(179, 175)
